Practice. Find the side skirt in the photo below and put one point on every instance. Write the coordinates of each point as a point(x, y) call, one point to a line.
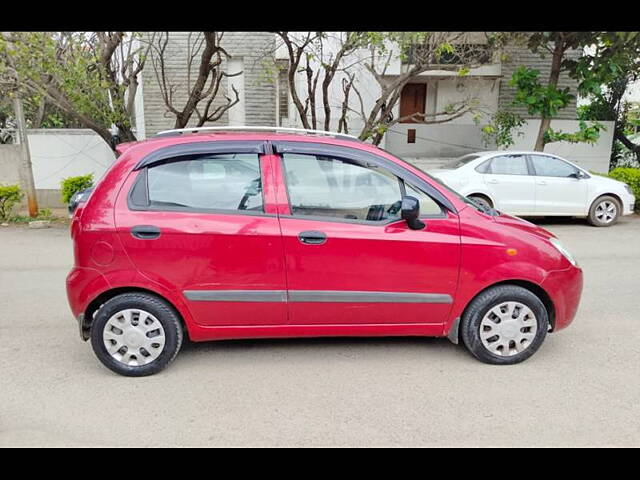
point(199, 333)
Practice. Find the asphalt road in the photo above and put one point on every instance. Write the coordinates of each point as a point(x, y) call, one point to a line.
point(582, 388)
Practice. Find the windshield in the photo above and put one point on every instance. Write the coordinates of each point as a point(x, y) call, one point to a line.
point(461, 161)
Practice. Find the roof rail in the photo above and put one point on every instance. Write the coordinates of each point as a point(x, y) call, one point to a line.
point(180, 131)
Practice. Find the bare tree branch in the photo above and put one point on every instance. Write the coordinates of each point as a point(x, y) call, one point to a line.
point(203, 78)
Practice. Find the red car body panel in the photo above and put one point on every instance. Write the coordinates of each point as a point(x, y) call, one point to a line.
point(456, 257)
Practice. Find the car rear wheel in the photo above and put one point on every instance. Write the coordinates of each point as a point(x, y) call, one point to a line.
point(504, 325)
point(605, 211)
point(136, 334)
point(482, 200)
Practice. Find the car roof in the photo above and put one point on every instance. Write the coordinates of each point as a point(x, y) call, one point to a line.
point(511, 152)
point(203, 136)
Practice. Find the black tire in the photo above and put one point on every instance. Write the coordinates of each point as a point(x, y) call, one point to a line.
point(593, 214)
point(482, 200)
point(157, 307)
point(480, 306)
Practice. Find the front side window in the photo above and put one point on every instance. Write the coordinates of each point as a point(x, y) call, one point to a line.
point(551, 167)
point(508, 165)
point(212, 182)
point(329, 187)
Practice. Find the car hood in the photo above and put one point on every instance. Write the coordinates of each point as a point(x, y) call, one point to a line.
point(606, 181)
point(523, 225)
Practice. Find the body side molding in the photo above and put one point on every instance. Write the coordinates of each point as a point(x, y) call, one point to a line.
point(321, 296)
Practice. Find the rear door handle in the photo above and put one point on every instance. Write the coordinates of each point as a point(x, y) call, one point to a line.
point(312, 237)
point(493, 180)
point(145, 232)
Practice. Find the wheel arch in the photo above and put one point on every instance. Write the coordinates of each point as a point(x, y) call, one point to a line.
point(478, 193)
point(107, 295)
point(534, 288)
point(606, 194)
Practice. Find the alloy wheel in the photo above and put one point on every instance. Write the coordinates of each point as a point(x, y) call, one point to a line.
point(606, 211)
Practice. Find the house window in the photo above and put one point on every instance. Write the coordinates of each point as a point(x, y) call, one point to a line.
point(413, 99)
point(283, 91)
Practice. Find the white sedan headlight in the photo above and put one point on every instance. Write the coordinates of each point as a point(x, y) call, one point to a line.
point(561, 248)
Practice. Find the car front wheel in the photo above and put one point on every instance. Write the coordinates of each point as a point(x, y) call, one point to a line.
point(604, 212)
point(504, 325)
point(136, 334)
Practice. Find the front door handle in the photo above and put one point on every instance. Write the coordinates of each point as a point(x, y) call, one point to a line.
point(312, 237)
point(145, 232)
point(542, 182)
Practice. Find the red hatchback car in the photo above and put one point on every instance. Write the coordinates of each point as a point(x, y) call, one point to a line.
point(227, 235)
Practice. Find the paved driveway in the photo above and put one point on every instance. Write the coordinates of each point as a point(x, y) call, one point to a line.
point(581, 388)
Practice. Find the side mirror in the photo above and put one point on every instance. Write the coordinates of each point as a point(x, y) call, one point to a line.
point(578, 175)
point(410, 211)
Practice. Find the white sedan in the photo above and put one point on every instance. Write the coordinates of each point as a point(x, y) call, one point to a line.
point(537, 184)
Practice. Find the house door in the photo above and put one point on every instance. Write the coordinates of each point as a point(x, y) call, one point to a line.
point(413, 99)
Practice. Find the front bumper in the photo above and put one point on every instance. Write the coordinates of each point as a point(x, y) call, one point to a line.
point(629, 204)
point(565, 289)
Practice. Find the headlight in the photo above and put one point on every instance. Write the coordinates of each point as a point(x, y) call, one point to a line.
point(628, 188)
point(556, 243)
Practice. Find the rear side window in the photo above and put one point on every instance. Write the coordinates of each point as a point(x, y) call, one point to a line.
point(484, 167)
point(212, 182)
point(508, 165)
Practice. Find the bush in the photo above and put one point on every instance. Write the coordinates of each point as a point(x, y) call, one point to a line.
point(630, 176)
point(72, 185)
point(44, 214)
point(9, 196)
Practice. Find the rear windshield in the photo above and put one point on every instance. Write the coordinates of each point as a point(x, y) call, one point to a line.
point(461, 161)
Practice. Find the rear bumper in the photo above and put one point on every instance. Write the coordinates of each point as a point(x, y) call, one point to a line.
point(84, 327)
point(84, 285)
point(565, 288)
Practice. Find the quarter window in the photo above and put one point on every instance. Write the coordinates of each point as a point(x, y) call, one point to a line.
point(213, 182)
point(428, 205)
point(509, 165)
point(329, 187)
point(551, 167)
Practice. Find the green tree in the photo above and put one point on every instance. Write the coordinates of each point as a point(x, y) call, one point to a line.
point(91, 77)
point(500, 129)
point(547, 99)
point(39, 113)
point(604, 74)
